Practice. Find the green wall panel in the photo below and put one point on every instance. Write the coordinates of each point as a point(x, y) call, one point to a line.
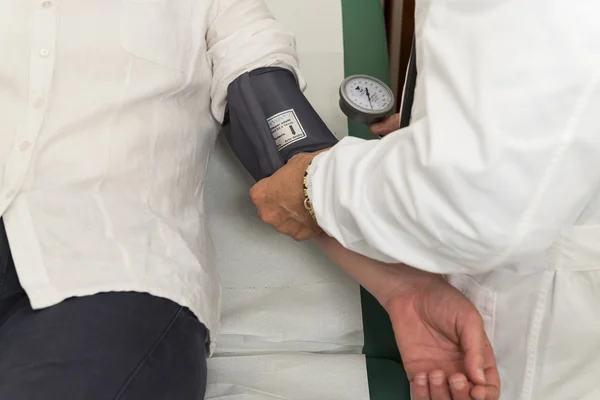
point(365, 52)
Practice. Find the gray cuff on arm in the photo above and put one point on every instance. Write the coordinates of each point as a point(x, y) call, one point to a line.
point(268, 120)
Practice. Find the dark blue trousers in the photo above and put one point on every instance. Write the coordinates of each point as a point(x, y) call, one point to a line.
point(110, 346)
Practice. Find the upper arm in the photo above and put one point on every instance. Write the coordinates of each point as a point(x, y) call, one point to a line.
point(243, 35)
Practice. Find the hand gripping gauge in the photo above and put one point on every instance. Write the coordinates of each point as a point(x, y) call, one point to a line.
point(365, 99)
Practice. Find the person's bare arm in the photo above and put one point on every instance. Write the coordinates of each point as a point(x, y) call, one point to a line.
point(439, 332)
point(382, 280)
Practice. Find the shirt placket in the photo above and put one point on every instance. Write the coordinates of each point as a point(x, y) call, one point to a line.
point(43, 46)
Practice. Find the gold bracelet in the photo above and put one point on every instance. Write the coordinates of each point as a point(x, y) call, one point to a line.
point(307, 203)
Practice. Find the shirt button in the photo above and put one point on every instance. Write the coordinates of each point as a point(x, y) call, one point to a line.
point(25, 146)
point(44, 52)
point(47, 4)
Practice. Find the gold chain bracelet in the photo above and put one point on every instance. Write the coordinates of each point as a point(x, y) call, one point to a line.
point(307, 203)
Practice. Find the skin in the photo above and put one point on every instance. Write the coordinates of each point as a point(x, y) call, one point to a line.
point(279, 199)
point(439, 332)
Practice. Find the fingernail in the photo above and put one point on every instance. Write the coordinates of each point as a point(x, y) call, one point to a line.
point(458, 384)
point(437, 379)
point(421, 380)
point(376, 127)
point(480, 375)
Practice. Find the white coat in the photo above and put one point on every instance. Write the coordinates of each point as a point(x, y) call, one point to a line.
point(494, 183)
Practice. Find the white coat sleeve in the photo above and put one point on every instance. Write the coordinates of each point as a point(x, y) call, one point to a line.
point(502, 152)
point(243, 35)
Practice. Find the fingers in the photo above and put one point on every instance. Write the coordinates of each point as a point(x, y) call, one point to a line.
point(258, 192)
point(459, 387)
point(475, 343)
point(280, 221)
point(485, 393)
point(479, 393)
point(438, 386)
point(492, 376)
point(480, 363)
point(271, 218)
point(388, 126)
point(493, 388)
point(290, 227)
point(285, 219)
point(419, 387)
point(435, 386)
point(490, 391)
point(296, 230)
point(307, 233)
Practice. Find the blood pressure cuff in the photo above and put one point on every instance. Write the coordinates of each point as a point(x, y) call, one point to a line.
point(268, 121)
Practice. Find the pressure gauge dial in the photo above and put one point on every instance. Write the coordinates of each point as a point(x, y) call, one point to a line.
point(365, 99)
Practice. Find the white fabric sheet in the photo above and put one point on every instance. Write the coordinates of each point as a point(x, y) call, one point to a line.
point(281, 298)
point(288, 376)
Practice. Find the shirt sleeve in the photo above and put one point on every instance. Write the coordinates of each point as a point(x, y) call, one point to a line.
point(501, 154)
point(242, 36)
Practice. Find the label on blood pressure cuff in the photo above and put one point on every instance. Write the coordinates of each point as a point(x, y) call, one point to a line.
point(286, 128)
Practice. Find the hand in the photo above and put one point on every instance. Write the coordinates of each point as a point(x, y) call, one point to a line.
point(388, 126)
point(437, 328)
point(441, 338)
point(279, 199)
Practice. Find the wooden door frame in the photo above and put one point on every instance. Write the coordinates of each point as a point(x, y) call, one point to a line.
point(400, 27)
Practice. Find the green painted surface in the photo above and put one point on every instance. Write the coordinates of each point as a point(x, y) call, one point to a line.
point(365, 52)
point(365, 46)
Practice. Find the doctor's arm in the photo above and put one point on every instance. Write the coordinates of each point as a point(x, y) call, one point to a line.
point(246, 38)
point(498, 158)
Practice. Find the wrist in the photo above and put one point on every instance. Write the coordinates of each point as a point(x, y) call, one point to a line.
point(306, 161)
point(407, 285)
point(307, 202)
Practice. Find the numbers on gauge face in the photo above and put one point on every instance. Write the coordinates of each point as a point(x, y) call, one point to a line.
point(367, 94)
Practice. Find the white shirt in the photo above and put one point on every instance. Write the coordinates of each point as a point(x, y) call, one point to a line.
point(109, 112)
point(496, 179)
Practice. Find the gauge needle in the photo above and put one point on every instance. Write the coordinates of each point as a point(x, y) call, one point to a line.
point(369, 96)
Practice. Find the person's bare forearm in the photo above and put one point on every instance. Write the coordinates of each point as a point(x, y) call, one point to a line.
point(380, 279)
